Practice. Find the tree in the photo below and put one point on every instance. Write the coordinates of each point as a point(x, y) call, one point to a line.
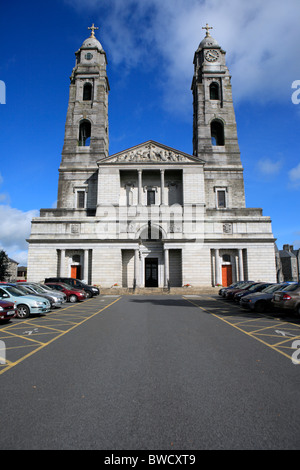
point(4, 265)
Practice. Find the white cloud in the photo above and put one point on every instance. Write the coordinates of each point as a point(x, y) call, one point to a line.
point(14, 229)
point(294, 175)
point(4, 197)
point(262, 40)
point(269, 167)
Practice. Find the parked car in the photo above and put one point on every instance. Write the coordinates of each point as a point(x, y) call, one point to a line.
point(260, 286)
point(27, 291)
point(26, 304)
point(261, 301)
point(90, 290)
point(223, 290)
point(230, 292)
point(8, 310)
point(54, 299)
point(288, 298)
point(48, 289)
point(73, 295)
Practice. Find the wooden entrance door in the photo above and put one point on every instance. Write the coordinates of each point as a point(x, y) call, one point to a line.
point(151, 272)
point(226, 275)
point(76, 271)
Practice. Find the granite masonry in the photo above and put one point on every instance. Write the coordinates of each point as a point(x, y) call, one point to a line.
point(151, 215)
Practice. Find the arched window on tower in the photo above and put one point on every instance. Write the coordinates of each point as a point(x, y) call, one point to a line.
point(87, 91)
point(217, 132)
point(214, 91)
point(84, 133)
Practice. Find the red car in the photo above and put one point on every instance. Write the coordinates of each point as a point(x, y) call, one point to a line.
point(8, 310)
point(73, 295)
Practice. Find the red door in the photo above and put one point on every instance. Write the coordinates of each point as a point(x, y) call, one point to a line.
point(226, 275)
point(75, 272)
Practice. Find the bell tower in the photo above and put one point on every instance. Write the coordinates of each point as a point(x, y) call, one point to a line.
point(86, 131)
point(214, 126)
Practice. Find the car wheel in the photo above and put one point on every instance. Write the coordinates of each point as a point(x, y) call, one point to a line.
point(23, 311)
point(88, 294)
point(260, 307)
point(298, 310)
point(73, 298)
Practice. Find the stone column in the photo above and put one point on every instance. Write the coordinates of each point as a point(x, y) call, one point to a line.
point(162, 187)
point(62, 262)
point(86, 266)
point(217, 266)
point(241, 267)
point(137, 267)
point(140, 193)
point(166, 259)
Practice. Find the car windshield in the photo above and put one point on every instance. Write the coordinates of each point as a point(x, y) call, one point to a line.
point(242, 286)
point(271, 288)
point(14, 291)
point(24, 289)
point(253, 287)
point(291, 287)
point(37, 289)
point(46, 288)
point(77, 283)
point(60, 286)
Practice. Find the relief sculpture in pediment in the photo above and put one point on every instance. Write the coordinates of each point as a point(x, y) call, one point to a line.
point(150, 153)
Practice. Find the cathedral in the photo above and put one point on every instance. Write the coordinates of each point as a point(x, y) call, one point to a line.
point(151, 215)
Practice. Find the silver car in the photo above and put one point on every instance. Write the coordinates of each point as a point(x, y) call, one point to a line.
point(59, 298)
point(28, 291)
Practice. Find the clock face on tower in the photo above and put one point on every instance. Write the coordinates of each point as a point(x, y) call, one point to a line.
point(212, 55)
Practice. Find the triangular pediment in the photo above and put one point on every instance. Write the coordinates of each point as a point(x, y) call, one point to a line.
point(150, 153)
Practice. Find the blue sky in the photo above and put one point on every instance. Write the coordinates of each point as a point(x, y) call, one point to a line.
point(150, 46)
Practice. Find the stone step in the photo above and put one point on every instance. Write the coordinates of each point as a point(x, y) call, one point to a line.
point(160, 290)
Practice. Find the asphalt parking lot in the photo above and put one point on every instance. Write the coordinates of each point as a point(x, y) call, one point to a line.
point(22, 338)
point(151, 372)
point(277, 330)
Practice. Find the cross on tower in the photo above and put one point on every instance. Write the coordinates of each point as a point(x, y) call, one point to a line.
point(207, 29)
point(93, 27)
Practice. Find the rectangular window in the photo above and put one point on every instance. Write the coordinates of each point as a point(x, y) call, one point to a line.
point(221, 199)
point(80, 199)
point(150, 197)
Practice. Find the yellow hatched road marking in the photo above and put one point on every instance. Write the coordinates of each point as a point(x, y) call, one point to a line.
point(234, 325)
point(23, 337)
point(43, 345)
point(290, 338)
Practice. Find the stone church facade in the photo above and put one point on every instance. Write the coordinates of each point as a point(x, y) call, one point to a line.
point(151, 215)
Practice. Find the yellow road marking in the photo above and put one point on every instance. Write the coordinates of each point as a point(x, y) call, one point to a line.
point(291, 338)
point(246, 332)
point(43, 345)
point(24, 337)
